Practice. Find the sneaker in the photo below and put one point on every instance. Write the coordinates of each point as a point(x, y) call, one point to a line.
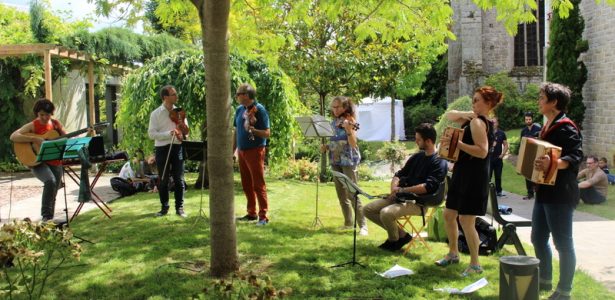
point(262, 222)
point(449, 259)
point(345, 227)
point(247, 218)
point(558, 296)
point(180, 212)
point(46, 219)
point(162, 212)
point(363, 231)
point(500, 194)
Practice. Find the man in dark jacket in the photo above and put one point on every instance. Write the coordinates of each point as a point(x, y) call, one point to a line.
point(531, 130)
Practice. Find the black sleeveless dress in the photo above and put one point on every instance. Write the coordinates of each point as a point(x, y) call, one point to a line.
point(468, 191)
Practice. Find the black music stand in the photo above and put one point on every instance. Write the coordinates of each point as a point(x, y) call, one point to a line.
point(318, 127)
point(352, 188)
point(194, 151)
point(55, 150)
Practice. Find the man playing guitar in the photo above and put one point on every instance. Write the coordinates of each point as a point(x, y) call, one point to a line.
point(49, 172)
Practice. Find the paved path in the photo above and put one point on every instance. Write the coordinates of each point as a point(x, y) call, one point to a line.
point(594, 239)
point(29, 206)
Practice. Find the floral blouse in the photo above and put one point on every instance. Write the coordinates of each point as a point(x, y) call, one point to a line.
point(340, 151)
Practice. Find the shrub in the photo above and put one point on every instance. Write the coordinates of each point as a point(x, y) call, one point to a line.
point(30, 253)
point(510, 112)
point(513, 145)
point(365, 173)
point(394, 152)
point(242, 286)
point(300, 169)
point(421, 113)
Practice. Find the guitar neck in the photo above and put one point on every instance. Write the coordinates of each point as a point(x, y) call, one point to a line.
point(80, 131)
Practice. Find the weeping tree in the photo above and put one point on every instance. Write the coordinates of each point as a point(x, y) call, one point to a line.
point(185, 70)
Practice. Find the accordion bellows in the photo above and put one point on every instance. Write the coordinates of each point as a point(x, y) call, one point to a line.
point(451, 152)
point(531, 149)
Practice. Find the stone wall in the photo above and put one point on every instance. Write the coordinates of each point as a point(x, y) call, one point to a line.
point(599, 90)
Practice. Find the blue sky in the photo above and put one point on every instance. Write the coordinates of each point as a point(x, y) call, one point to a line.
point(77, 9)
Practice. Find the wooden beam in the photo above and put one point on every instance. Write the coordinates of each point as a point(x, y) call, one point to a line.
point(91, 92)
point(48, 82)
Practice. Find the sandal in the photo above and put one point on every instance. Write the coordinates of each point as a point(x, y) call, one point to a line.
point(472, 269)
point(449, 259)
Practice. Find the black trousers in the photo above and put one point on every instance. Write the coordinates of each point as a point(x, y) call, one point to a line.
point(174, 168)
point(496, 168)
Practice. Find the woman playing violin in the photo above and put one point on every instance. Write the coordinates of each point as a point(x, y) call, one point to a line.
point(168, 127)
point(344, 157)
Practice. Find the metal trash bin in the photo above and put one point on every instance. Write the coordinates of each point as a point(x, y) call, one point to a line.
point(519, 277)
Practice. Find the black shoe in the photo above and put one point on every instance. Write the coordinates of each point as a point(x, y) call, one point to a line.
point(385, 245)
point(558, 296)
point(180, 212)
point(545, 286)
point(162, 212)
point(401, 242)
point(528, 197)
point(46, 219)
point(247, 218)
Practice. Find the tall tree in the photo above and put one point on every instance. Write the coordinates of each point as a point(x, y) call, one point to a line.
point(563, 64)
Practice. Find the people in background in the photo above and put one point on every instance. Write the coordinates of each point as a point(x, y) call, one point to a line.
point(250, 139)
point(422, 174)
point(500, 148)
point(168, 130)
point(555, 204)
point(594, 184)
point(531, 130)
point(48, 172)
point(344, 158)
point(603, 163)
point(469, 189)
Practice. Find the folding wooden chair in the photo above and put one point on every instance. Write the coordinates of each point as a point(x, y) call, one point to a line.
point(405, 223)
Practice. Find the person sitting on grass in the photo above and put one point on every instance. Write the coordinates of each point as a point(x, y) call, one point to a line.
point(603, 163)
point(422, 174)
point(594, 185)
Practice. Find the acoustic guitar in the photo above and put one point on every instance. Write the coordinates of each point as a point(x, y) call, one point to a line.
point(26, 152)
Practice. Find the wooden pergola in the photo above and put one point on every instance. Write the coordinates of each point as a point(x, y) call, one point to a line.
point(49, 50)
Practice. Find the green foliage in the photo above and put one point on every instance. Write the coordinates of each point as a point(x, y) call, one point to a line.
point(30, 253)
point(563, 63)
point(122, 46)
point(394, 152)
point(185, 70)
point(420, 113)
point(510, 112)
point(38, 25)
point(244, 286)
point(514, 142)
point(300, 169)
point(365, 173)
point(463, 103)
point(14, 26)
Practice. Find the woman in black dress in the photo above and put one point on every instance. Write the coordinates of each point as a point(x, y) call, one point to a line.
point(469, 188)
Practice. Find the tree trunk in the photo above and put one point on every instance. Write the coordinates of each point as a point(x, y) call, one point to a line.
point(323, 156)
point(214, 24)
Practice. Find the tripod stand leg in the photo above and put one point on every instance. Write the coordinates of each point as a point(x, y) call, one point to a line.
point(354, 261)
point(202, 216)
point(317, 222)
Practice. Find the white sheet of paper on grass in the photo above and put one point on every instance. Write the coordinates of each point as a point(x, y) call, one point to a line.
point(466, 290)
point(396, 271)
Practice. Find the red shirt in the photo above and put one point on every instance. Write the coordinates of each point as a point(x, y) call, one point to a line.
point(40, 128)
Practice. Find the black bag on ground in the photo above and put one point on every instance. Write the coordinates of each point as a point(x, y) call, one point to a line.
point(123, 186)
point(486, 234)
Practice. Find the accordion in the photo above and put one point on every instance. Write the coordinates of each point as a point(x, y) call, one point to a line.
point(531, 149)
point(451, 152)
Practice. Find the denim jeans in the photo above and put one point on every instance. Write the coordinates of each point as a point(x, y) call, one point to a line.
point(51, 177)
point(174, 168)
point(555, 220)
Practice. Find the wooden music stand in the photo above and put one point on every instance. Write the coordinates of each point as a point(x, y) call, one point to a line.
point(315, 126)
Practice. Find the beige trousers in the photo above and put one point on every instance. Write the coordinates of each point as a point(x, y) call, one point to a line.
point(385, 212)
point(346, 199)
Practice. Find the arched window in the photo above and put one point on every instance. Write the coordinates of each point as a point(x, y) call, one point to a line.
point(530, 40)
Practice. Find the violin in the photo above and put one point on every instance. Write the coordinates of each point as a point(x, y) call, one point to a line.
point(249, 120)
point(178, 116)
point(347, 118)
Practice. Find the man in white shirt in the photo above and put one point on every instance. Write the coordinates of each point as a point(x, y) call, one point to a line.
point(168, 128)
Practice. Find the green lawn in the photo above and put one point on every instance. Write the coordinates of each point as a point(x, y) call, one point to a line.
point(137, 256)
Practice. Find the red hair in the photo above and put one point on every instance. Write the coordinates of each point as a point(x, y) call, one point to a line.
point(490, 95)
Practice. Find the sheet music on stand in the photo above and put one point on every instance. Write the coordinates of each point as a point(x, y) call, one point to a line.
point(315, 126)
point(51, 150)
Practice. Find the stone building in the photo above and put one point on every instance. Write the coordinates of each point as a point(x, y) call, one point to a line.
point(483, 47)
